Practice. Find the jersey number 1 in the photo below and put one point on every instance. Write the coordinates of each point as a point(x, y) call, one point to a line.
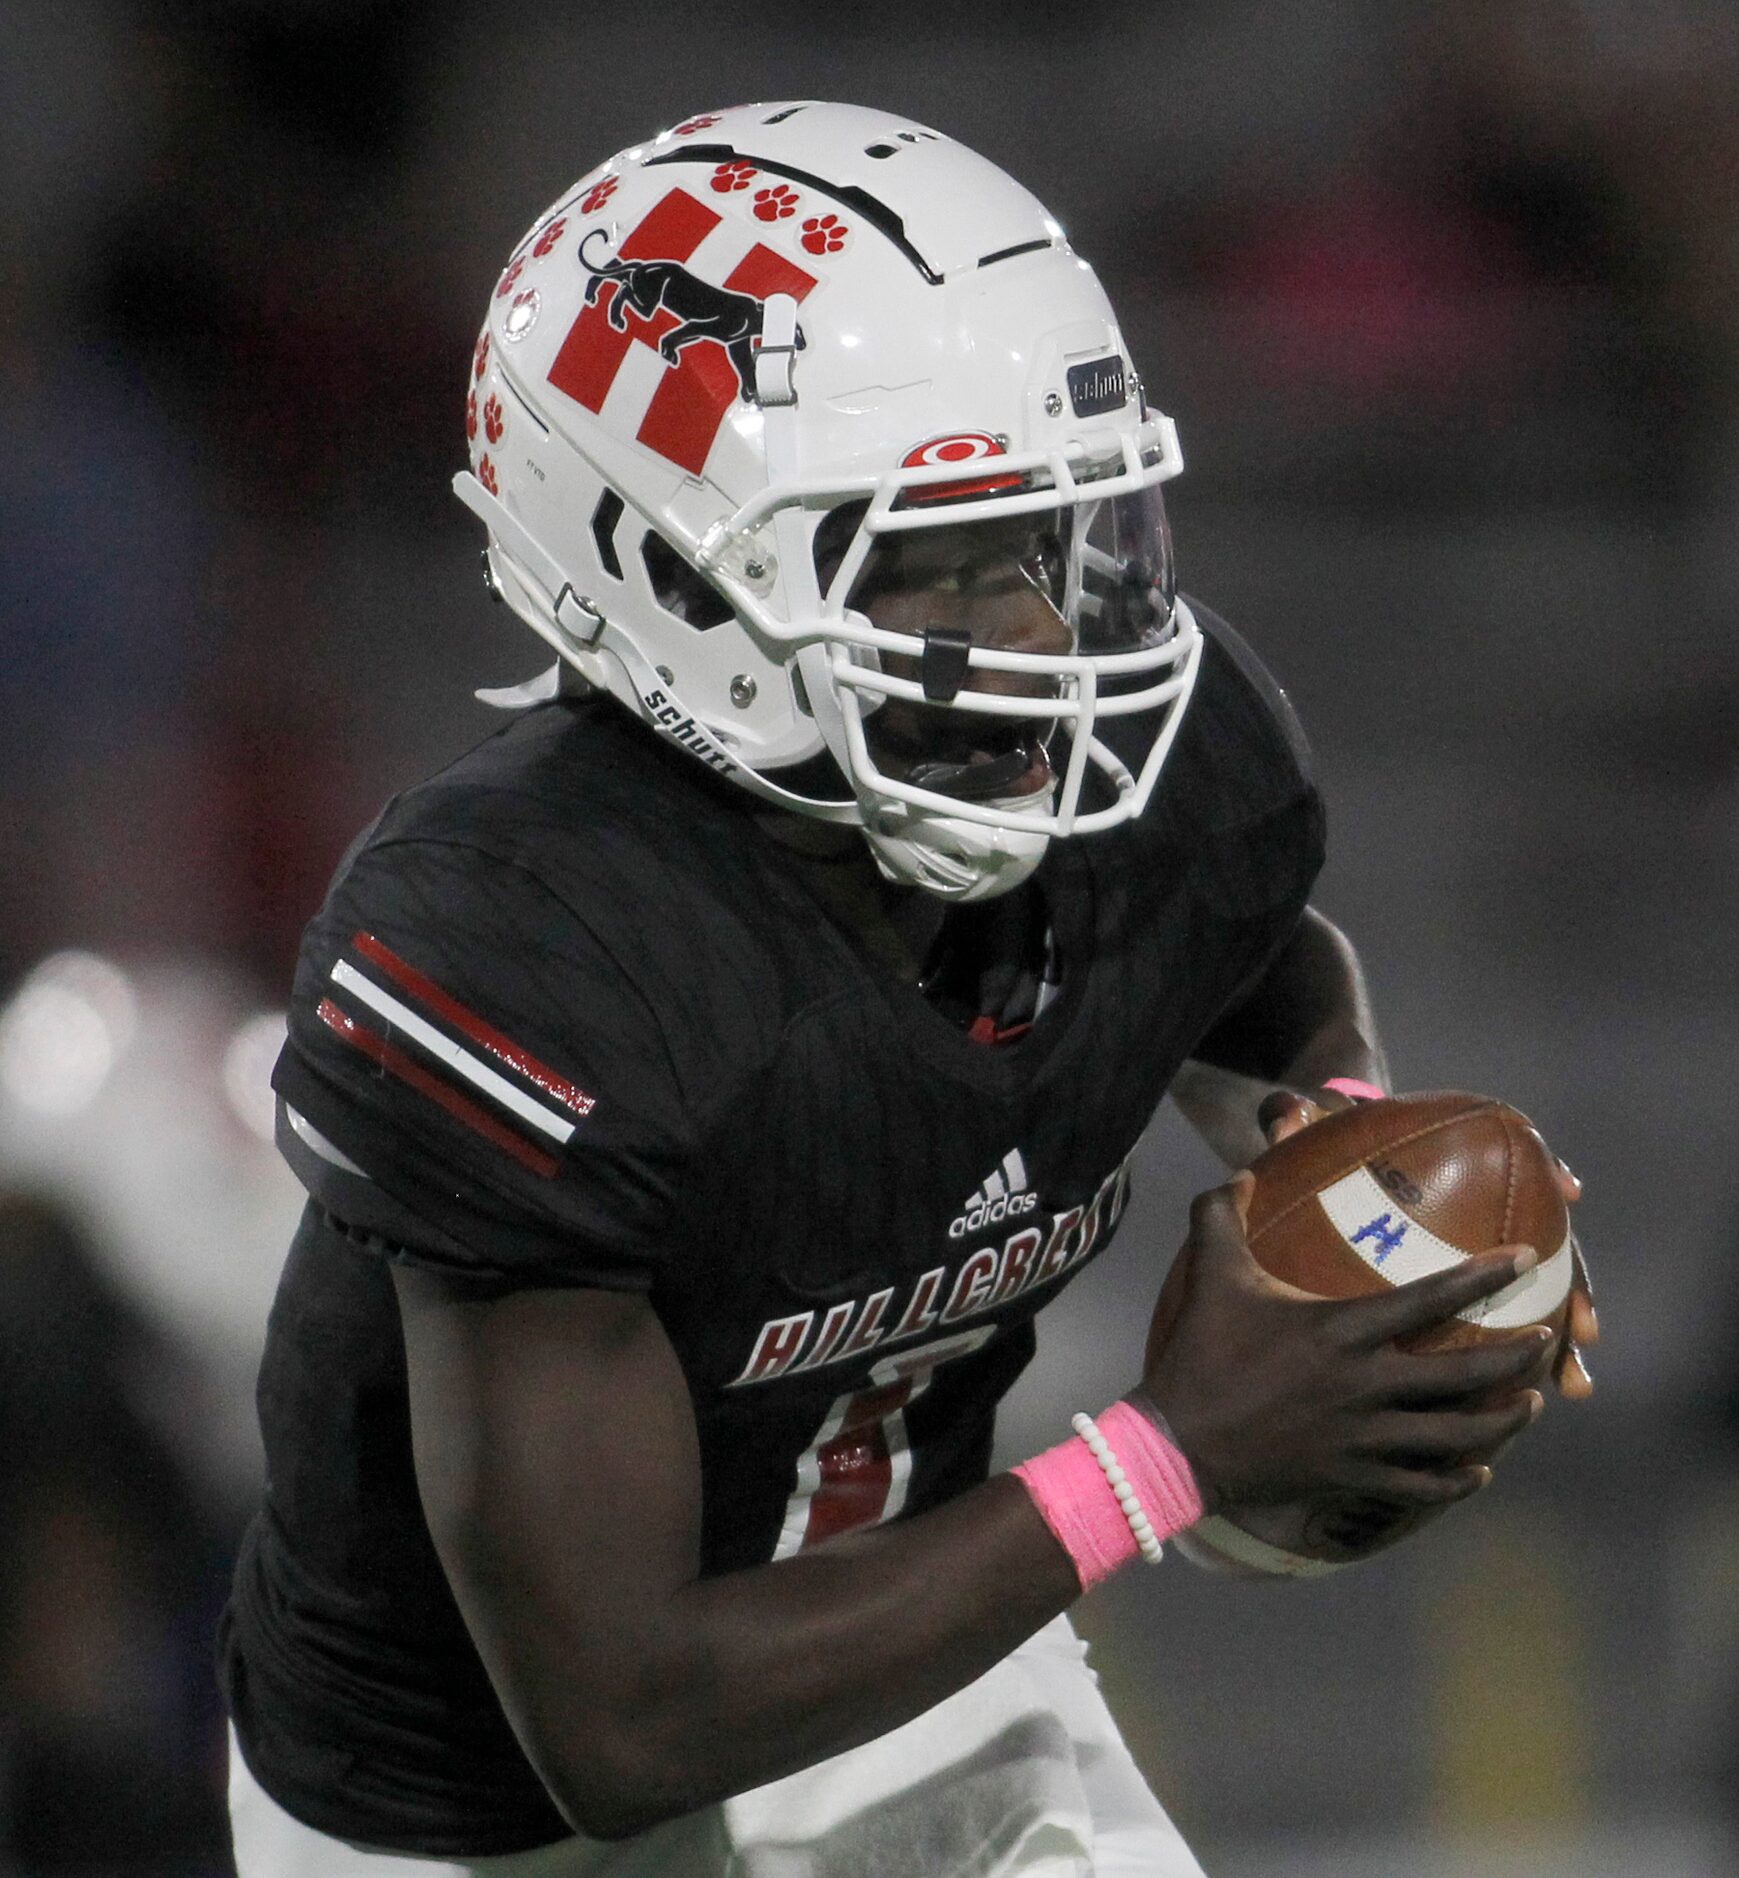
point(856, 1470)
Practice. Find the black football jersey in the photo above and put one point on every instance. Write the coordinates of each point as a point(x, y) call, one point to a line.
point(571, 1016)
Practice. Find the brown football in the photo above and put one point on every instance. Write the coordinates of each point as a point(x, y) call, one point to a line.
point(1385, 1192)
point(1376, 1195)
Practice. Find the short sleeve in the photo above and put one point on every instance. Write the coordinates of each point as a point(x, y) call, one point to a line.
point(473, 1078)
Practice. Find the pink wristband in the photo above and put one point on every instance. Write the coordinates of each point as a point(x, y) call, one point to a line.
point(1076, 1501)
point(1359, 1091)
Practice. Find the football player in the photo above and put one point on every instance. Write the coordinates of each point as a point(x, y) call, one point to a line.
point(701, 1086)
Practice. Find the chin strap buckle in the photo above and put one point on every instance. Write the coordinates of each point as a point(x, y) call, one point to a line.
point(947, 657)
point(580, 618)
point(776, 354)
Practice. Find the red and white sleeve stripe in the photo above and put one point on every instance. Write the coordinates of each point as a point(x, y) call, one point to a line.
point(454, 1055)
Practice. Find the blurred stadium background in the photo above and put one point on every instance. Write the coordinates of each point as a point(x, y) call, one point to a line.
point(1445, 298)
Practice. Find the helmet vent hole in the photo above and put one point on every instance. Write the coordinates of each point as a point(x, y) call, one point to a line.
point(881, 149)
point(779, 117)
point(681, 590)
point(1008, 254)
point(519, 398)
point(604, 519)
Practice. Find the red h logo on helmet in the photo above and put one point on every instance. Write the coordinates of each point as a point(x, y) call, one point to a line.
point(705, 333)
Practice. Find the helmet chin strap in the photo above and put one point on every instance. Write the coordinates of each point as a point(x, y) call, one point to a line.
point(958, 861)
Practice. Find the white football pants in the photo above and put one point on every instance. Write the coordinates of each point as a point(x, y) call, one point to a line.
point(1022, 1774)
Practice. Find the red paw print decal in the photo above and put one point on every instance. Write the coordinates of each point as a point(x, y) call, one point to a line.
point(480, 358)
point(734, 175)
point(493, 422)
point(824, 234)
point(487, 477)
point(471, 417)
point(550, 237)
point(773, 205)
point(505, 285)
point(595, 197)
point(691, 125)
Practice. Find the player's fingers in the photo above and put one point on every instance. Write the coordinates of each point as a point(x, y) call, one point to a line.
point(1571, 1373)
point(1368, 1321)
point(1568, 1183)
point(1449, 1435)
point(1412, 1486)
point(1440, 1376)
point(1584, 1324)
point(1217, 1217)
point(1285, 1112)
point(1358, 1522)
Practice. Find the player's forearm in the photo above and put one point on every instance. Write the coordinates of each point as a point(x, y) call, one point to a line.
point(1309, 1019)
point(560, 1473)
point(727, 1683)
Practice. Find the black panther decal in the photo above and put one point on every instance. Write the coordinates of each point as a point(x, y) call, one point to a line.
point(701, 310)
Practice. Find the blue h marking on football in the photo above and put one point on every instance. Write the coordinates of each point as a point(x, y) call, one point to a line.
point(1387, 1234)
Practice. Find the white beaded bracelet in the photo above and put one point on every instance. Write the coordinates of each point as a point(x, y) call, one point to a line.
point(1127, 1498)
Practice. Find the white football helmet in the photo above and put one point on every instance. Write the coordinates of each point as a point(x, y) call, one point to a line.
point(802, 431)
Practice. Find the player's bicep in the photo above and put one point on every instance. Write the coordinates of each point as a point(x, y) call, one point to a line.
point(559, 1471)
point(1311, 981)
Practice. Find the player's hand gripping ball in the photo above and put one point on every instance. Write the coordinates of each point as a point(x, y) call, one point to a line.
point(1376, 1195)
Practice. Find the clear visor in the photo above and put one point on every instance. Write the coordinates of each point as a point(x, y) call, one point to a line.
point(988, 633)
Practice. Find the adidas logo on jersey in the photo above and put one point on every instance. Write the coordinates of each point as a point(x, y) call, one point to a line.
point(1003, 1195)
